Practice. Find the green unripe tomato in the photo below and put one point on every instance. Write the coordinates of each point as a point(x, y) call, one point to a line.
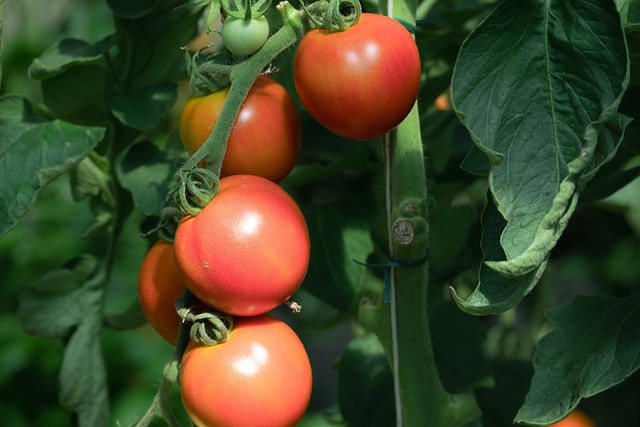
point(244, 37)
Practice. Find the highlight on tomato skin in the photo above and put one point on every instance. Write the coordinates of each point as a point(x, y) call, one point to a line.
point(159, 286)
point(260, 377)
point(247, 252)
point(576, 418)
point(266, 136)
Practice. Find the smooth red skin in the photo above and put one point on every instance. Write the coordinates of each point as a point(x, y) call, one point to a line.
point(362, 82)
point(266, 136)
point(159, 286)
point(260, 377)
point(247, 251)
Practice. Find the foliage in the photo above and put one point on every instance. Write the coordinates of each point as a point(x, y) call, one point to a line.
point(530, 187)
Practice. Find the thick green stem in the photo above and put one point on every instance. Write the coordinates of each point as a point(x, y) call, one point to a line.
point(421, 400)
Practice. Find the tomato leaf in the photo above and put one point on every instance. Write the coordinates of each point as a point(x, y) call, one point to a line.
point(83, 387)
point(67, 53)
point(66, 304)
point(147, 172)
point(90, 177)
point(339, 235)
point(496, 293)
point(78, 95)
point(50, 307)
point(570, 364)
point(160, 34)
point(457, 340)
point(364, 376)
point(449, 228)
point(500, 402)
point(541, 152)
point(630, 14)
point(143, 110)
point(34, 152)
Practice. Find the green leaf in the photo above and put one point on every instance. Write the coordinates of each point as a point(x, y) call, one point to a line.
point(67, 304)
point(78, 95)
point(457, 340)
point(83, 379)
point(449, 228)
point(630, 14)
point(131, 9)
point(160, 36)
point(571, 364)
point(148, 172)
point(145, 109)
point(34, 152)
point(67, 53)
point(339, 235)
point(500, 403)
point(364, 376)
point(91, 178)
point(496, 293)
point(543, 151)
point(51, 307)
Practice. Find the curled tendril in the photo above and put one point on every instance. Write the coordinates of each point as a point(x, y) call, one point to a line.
point(168, 224)
point(333, 15)
point(342, 14)
point(208, 327)
point(196, 188)
point(208, 74)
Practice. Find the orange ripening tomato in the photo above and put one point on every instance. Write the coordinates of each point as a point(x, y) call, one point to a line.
point(442, 102)
point(266, 136)
point(159, 286)
point(247, 251)
point(259, 377)
point(576, 418)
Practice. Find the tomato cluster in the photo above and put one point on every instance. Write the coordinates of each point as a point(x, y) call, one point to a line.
point(247, 251)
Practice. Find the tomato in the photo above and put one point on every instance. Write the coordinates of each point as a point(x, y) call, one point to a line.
point(243, 37)
point(266, 136)
point(259, 377)
point(442, 102)
point(362, 82)
point(576, 418)
point(247, 251)
point(159, 286)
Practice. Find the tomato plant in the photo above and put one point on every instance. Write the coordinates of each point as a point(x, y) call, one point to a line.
point(247, 251)
point(159, 286)
point(260, 377)
point(453, 265)
point(244, 36)
point(362, 82)
point(266, 136)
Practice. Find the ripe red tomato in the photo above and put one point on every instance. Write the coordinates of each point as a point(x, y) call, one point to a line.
point(259, 377)
point(362, 82)
point(159, 286)
point(247, 251)
point(266, 136)
point(576, 418)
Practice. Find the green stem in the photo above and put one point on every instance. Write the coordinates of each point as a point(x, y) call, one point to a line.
point(242, 78)
point(421, 399)
point(160, 407)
